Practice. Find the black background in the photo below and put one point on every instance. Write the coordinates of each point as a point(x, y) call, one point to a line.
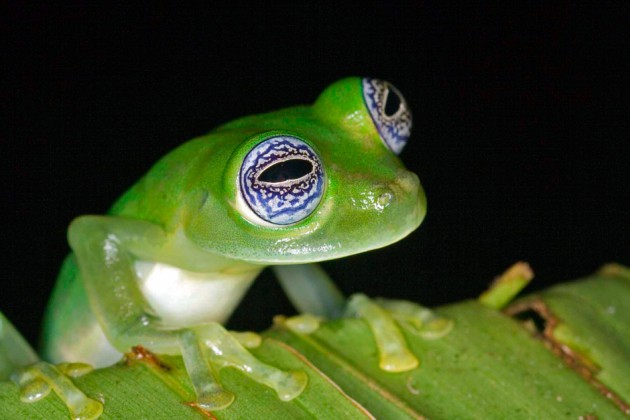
point(520, 138)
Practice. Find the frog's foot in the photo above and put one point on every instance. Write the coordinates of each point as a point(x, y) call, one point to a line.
point(37, 380)
point(394, 354)
point(423, 321)
point(227, 349)
point(248, 339)
point(300, 324)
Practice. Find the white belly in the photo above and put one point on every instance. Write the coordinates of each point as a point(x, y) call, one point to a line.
point(185, 298)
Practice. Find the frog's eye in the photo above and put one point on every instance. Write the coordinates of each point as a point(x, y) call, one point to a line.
point(389, 111)
point(282, 180)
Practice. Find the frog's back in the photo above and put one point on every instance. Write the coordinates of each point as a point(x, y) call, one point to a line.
point(159, 196)
point(195, 169)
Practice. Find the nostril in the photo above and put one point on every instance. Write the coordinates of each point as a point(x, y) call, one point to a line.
point(384, 199)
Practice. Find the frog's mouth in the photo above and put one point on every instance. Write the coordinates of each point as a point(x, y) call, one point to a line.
point(344, 247)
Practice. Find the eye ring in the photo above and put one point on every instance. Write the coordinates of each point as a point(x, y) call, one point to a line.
point(389, 111)
point(281, 180)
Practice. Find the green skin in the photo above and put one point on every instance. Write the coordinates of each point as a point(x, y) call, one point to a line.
point(185, 213)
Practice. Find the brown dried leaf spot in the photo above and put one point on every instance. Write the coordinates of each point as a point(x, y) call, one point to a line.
point(139, 354)
point(579, 363)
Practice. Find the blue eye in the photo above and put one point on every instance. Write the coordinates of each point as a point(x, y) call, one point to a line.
point(282, 180)
point(389, 111)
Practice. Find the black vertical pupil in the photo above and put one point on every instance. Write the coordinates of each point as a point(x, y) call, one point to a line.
point(392, 103)
point(286, 170)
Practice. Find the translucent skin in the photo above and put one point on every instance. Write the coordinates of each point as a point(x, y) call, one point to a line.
point(187, 214)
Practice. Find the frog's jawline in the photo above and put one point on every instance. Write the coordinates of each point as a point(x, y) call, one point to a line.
point(300, 257)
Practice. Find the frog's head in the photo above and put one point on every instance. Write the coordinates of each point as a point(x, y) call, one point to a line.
point(314, 183)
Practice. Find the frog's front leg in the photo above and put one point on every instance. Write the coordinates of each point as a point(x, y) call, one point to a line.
point(106, 248)
point(311, 290)
point(384, 317)
point(227, 351)
point(394, 353)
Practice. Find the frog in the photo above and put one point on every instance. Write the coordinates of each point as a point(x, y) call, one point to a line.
point(170, 261)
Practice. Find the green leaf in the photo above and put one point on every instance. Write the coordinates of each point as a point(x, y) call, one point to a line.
point(561, 353)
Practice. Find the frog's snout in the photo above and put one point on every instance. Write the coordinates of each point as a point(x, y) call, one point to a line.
point(402, 189)
point(410, 195)
point(399, 194)
point(408, 182)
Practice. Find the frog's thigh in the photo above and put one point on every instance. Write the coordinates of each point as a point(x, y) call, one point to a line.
point(15, 351)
